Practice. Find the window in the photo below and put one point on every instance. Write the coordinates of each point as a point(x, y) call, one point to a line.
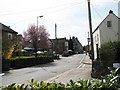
point(10, 36)
point(109, 23)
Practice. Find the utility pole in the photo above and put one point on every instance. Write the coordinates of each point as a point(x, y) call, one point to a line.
point(56, 48)
point(55, 31)
point(90, 26)
point(0, 52)
point(88, 42)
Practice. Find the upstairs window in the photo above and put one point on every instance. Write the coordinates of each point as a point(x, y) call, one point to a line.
point(10, 36)
point(109, 23)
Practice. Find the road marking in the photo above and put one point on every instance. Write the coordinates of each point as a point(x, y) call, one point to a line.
point(55, 77)
point(81, 64)
point(2, 74)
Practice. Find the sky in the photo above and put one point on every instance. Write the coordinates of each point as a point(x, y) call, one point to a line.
point(71, 16)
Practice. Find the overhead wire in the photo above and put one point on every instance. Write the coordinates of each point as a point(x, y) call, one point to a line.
point(29, 11)
point(55, 9)
point(99, 15)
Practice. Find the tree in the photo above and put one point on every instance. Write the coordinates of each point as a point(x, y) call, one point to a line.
point(8, 47)
point(36, 38)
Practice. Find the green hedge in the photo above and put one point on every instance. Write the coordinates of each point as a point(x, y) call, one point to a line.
point(110, 52)
point(108, 82)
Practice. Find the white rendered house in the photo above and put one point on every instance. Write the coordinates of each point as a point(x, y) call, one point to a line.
point(107, 30)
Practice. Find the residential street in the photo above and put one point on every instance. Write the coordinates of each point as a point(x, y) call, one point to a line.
point(51, 71)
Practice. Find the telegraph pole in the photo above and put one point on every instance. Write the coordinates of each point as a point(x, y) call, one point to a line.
point(88, 42)
point(0, 52)
point(56, 39)
point(90, 26)
point(55, 31)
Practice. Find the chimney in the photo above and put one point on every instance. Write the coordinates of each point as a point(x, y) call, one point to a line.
point(119, 9)
point(110, 11)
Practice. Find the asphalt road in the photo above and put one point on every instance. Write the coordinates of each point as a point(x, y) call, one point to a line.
point(42, 72)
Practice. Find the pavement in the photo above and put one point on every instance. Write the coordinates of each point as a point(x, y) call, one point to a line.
point(1, 79)
point(83, 71)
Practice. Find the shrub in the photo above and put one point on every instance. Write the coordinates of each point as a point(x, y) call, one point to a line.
point(109, 52)
point(108, 82)
point(116, 46)
point(8, 53)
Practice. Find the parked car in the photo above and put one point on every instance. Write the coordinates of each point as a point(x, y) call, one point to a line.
point(68, 53)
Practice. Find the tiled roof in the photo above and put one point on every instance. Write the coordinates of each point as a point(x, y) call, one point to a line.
point(8, 29)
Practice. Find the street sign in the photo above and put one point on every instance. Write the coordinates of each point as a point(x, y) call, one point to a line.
point(88, 39)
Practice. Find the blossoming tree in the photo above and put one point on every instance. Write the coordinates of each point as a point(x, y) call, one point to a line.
point(36, 38)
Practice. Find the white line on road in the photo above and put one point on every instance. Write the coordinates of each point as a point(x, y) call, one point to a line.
point(81, 64)
point(55, 77)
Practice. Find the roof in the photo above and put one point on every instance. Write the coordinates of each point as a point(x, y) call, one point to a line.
point(8, 29)
point(60, 39)
point(110, 12)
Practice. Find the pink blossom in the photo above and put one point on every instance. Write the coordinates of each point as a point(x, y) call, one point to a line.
point(36, 38)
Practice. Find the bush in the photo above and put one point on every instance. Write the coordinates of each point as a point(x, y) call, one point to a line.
point(107, 52)
point(110, 52)
point(116, 46)
point(108, 82)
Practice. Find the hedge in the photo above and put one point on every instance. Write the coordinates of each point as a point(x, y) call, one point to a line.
point(109, 53)
point(27, 62)
point(108, 82)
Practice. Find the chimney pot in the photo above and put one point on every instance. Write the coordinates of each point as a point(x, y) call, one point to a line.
point(110, 11)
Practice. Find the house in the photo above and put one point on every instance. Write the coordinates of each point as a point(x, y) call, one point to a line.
point(107, 30)
point(7, 39)
point(8, 33)
point(9, 36)
point(60, 45)
point(77, 46)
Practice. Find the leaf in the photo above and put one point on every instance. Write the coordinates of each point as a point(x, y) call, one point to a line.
point(116, 70)
point(114, 78)
point(22, 86)
point(26, 87)
point(12, 85)
point(32, 80)
point(72, 83)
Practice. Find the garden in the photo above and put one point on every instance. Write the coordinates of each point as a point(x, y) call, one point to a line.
point(25, 61)
point(25, 51)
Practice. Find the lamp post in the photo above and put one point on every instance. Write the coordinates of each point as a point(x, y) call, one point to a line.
point(36, 38)
point(37, 20)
